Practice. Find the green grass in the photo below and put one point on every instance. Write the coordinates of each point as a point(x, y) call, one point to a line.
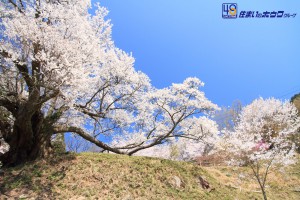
point(108, 176)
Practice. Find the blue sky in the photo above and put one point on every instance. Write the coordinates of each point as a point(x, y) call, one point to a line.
point(236, 58)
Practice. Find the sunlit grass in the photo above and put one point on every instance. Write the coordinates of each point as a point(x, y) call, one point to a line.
point(109, 176)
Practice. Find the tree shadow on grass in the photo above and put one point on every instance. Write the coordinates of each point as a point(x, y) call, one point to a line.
point(35, 179)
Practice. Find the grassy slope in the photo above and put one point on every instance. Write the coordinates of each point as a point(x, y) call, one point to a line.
point(107, 176)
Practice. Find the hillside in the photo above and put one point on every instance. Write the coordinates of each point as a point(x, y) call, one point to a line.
point(108, 176)
point(296, 100)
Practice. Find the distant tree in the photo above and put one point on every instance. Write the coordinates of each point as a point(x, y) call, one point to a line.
point(296, 137)
point(228, 117)
point(260, 138)
point(60, 72)
point(77, 144)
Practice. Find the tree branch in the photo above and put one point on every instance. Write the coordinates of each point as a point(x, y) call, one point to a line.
point(83, 134)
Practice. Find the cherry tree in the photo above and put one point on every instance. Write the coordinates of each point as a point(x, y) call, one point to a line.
point(168, 114)
point(204, 132)
point(261, 137)
point(56, 62)
point(61, 72)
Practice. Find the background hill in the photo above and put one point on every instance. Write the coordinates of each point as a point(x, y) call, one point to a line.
point(108, 176)
point(296, 100)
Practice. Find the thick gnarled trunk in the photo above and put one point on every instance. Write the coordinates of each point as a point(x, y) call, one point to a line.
point(28, 141)
point(20, 152)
